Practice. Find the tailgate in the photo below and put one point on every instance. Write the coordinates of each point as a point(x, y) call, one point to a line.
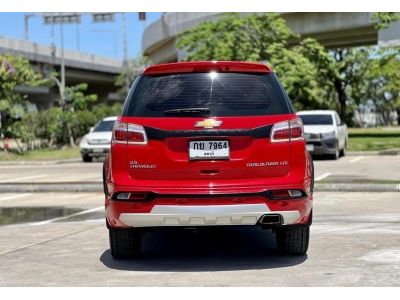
point(246, 152)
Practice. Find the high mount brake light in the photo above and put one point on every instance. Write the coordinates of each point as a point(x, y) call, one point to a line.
point(126, 133)
point(291, 130)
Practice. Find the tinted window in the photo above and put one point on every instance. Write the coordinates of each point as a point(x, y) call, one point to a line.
point(224, 94)
point(316, 119)
point(104, 126)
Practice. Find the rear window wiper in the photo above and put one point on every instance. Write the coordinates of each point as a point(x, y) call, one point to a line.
point(188, 111)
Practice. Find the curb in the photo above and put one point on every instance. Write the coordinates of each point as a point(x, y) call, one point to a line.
point(98, 188)
point(356, 187)
point(39, 163)
point(51, 188)
point(373, 153)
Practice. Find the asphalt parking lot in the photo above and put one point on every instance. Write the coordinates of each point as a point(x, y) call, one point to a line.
point(60, 239)
point(355, 241)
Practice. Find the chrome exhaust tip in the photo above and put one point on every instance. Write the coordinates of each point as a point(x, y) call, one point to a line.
point(271, 220)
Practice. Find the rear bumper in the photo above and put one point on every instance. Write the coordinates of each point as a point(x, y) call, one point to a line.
point(321, 147)
point(210, 215)
point(97, 151)
point(205, 211)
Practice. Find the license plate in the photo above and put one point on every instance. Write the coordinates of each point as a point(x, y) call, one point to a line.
point(208, 150)
point(98, 150)
point(310, 147)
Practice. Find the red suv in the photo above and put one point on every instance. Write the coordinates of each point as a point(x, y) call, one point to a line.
point(208, 144)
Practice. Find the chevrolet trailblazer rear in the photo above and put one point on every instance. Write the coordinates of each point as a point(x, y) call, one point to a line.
point(208, 144)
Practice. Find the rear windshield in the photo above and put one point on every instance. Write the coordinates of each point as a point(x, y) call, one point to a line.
point(104, 126)
point(316, 119)
point(213, 94)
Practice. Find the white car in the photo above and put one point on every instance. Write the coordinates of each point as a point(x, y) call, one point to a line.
point(325, 132)
point(98, 141)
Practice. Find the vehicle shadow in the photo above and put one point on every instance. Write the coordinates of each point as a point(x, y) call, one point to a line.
point(211, 249)
point(322, 157)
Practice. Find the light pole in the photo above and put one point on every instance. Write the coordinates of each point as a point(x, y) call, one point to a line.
point(61, 19)
point(125, 47)
point(26, 25)
point(62, 91)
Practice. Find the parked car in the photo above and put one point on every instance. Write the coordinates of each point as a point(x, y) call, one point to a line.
point(208, 144)
point(98, 141)
point(325, 132)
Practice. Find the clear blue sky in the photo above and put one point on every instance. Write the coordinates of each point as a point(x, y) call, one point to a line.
point(98, 38)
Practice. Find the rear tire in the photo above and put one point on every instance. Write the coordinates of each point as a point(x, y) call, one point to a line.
point(87, 158)
point(293, 239)
point(343, 151)
point(124, 243)
point(336, 155)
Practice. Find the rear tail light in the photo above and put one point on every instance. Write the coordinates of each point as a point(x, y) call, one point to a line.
point(129, 133)
point(291, 130)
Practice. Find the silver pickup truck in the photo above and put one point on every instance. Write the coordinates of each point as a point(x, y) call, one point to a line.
point(325, 132)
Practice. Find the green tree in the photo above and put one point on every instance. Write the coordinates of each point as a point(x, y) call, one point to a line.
point(325, 68)
point(15, 71)
point(76, 99)
point(366, 74)
point(350, 65)
point(351, 74)
point(47, 128)
point(382, 82)
point(235, 37)
point(384, 19)
point(297, 74)
point(83, 120)
point(72, 98)
point(129, 74)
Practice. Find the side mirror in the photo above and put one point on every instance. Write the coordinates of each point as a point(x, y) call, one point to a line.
point(91, 129)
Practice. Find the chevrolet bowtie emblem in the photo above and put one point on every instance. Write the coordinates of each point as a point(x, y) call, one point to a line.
point(208, 123)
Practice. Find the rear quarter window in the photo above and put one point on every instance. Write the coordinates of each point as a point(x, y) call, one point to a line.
point(224, 94)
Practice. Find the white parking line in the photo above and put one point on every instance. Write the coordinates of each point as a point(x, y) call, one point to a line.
point(22, 178)
point(358, 158)
point(13, 197)
point(322, 176)
point(69, 216)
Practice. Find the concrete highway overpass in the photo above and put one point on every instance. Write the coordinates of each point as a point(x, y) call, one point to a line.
point(99, 72)
point(337, 29)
